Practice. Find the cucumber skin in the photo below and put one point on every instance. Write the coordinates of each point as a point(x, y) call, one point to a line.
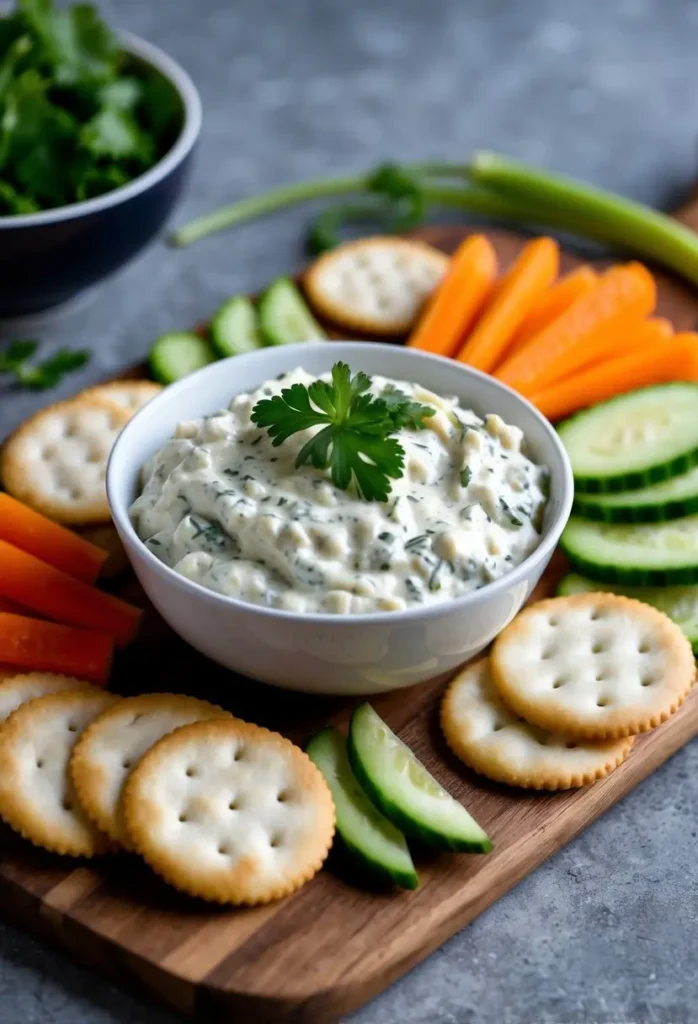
point(587, 508)
point(637, 478)
point(404, 879)
point(632, 575)
point(405, 822)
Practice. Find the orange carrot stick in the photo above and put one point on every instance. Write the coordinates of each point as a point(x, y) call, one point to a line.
point(10, 606)
point(554, 302)
point(525, 282)
point(38, 646)
point(42, 588)
point(588, 330)
point(674, 359)
point(458, 299)
point(34, 533)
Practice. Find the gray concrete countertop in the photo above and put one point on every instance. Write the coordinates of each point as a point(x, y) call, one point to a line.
point(607, 930)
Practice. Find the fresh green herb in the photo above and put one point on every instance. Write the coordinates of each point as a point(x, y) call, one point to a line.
point(386, 537)
point(354, 443)
point(466, 476)
point(73, 122)
point(403, 411)
point(40, 376)
point(416, 542)
point(212, 533)
point(434, 584)
point(514, 520)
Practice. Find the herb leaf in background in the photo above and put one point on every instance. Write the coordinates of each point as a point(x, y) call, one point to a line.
point(354, 443)
point(40, 376)
point(77, 117)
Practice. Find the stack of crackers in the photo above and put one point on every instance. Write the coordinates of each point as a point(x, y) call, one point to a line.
point(568, 685)
point(221, 809)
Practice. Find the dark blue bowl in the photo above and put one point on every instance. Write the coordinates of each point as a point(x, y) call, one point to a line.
point(48, 259)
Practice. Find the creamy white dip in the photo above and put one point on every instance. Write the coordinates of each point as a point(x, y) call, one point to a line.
point(224, 508)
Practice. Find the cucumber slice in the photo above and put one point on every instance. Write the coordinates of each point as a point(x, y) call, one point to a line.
point(634, 440)
point(405, 792)
point(679, 603)
point(367, 835)
point(234, 328)
point(284, 317)
point(176, 355)
point(669, 499)
point(645, 555)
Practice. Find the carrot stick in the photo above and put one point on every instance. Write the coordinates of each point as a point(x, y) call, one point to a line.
point(42, 588)
point(458, 299)
point(554, 302)
point(48, 647)
point(588, 330)
point(674, 359)
point(34, 533)
point(525, 282)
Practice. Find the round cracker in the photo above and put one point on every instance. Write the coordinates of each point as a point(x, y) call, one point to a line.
point(37, 797)
point(593, 666)
point(111, 747)
point(230, 812)
point(129, 395)
point(16, 689)
point(56, 461)
point(375, 285)
point(482, 731)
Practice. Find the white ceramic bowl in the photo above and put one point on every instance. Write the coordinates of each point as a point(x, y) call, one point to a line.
point(357, 654)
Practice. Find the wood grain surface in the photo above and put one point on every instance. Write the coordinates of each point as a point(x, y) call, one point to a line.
point(339, 940)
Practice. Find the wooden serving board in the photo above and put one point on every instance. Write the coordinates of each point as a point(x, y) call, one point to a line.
point(338, 941)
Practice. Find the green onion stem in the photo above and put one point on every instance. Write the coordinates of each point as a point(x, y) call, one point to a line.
point(278, 198)
point(590, 212)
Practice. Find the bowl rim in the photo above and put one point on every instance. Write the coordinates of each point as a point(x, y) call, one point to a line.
point(197, 591)
point(191, 127)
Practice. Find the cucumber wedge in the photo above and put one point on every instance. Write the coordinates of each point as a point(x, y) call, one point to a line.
point(679, 603)
point(646, 555)
point(178, 354)
point(634, 440)
point(669, 499)
point(366, 834)
point(284, 317)
point(402, 788)
point(234, 328)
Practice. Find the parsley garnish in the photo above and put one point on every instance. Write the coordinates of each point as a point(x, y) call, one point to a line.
point(466, 476)
point(355, 443)
point(40, 376)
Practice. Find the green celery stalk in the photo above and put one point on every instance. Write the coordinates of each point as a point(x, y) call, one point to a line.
point(590, 212)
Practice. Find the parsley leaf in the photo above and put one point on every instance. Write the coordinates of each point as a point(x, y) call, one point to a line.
point(40, 376)
point(403, 411)
point(354, 443)
point(466, 476)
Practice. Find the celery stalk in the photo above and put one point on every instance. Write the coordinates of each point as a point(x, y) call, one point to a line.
point(591, 212)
